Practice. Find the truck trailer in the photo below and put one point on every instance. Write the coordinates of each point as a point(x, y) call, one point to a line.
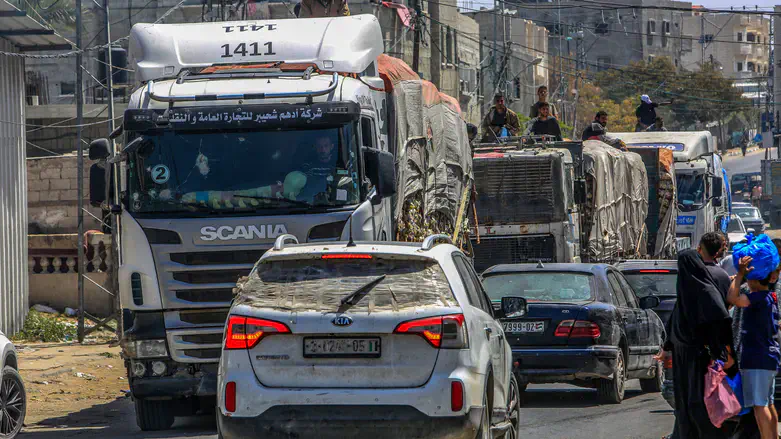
point(239, 133)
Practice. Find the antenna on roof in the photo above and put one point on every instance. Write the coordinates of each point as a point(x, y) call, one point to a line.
point(539, 264)
point(351, 243)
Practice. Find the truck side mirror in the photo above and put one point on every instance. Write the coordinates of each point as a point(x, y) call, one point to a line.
point(580, 191)
point(97, 184)
point(99, 149)
point(718, 188)
point(380, 168)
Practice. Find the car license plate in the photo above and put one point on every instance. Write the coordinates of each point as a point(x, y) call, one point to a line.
point(342, 347)
point(524, 327)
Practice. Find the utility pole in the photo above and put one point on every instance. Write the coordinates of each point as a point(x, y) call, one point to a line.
point(494, 63)
point(702, 38)
point(80, 167)
point(418, 30)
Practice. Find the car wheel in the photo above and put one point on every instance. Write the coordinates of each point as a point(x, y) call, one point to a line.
point(13, 403)
point(654, 385)
point(612, 391)
point(152, 415)
point(513, 409)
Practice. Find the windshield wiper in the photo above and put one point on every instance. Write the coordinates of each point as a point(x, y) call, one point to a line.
point(348, 299)
point(295, 202)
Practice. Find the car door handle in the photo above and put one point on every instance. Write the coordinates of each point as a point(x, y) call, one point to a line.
point(488, 332)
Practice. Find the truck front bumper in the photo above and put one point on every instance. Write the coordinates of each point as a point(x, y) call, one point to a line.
point(181, 384)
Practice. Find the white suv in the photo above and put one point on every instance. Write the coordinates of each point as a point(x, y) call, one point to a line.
point(370, 340)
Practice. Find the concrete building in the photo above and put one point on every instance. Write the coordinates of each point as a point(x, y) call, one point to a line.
point(19, 34)
point(521, 63)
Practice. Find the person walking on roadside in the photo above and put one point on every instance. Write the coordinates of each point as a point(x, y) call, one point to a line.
point(544, 124)
point(646, 112)
point(700, 331)
point(500, 117)
point(542, 98)
point(759, 351)
point(756, 194)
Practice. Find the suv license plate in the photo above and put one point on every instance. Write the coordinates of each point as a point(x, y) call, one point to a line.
point(355, 347)
point(524, 327)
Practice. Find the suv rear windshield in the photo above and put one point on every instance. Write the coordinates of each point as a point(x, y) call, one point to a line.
point(320, 285)
point(658, 284)
point(540, 287)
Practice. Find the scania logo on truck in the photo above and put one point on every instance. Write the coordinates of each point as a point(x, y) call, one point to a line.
point(229, 233)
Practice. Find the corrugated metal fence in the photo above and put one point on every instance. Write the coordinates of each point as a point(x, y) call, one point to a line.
point(13, 194)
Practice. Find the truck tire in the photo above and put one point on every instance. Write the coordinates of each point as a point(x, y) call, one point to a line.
point(152, 415)
point(612, 391)
point(654, 385)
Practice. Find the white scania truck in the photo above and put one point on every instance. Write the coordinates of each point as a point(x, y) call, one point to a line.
point(240, 132)
point(699, 174)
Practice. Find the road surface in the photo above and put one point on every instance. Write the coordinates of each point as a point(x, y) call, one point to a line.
point(750, 163)
point(549, 411)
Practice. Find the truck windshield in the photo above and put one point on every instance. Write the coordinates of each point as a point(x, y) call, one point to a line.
point(239, 171)
point(691, 191)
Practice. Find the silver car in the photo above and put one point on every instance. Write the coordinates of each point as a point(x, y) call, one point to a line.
point(369, 340)
point(13, 398)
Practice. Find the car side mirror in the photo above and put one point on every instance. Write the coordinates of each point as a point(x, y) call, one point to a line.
point(99, 149)
point(649, 302)
point(514, 307)
point(97, 184)
point(380, 168)
point(751, 230)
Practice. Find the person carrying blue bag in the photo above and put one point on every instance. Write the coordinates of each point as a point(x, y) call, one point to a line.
point(757, 261)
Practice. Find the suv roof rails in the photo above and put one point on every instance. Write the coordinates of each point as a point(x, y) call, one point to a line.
point(279, 244)
point(432, 240)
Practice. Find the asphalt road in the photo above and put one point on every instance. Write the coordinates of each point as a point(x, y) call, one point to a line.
point(750, 163)
point(549, 411)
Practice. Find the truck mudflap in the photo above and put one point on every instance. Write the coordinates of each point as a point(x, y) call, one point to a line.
point(181, 384)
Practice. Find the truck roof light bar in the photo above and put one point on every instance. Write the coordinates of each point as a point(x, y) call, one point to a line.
point(279, 244)
point(240, 96)
point(432, 240)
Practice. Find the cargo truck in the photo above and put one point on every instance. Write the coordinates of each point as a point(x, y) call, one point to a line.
point(243, 132)
point(557, 202)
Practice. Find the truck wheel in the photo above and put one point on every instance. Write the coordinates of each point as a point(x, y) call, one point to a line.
point(612, 391)
point(654, 385)
point(154, 415)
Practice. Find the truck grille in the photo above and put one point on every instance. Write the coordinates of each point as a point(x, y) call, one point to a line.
point(517, 190)
point(200, 345)
point(513, 250)
point(210, 277)
point(201, 296)
point(217, 258)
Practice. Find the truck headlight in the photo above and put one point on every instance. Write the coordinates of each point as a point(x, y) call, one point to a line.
point(146, 349)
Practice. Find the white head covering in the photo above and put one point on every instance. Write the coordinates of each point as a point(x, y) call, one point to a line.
point(645, 99)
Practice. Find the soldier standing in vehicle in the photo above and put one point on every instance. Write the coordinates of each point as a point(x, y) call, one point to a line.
point(499, 117)
point(323, 8)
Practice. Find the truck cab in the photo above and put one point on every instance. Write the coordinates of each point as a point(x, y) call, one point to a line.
point(699, 178)
point(237, 134)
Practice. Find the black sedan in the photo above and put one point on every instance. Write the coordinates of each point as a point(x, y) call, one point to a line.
point(653, 278)
point(584, 326)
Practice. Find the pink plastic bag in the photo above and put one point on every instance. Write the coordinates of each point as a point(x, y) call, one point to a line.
point(720, 401)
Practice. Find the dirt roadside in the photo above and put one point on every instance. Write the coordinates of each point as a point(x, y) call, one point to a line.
point(65, 378)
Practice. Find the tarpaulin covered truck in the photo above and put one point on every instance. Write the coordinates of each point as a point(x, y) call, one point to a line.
point(242, 132)
point(662, 202)
point(558, 202)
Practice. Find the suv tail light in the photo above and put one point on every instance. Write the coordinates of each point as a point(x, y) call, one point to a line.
point(246, 332)
point(577, 329)
point(446, 332)
point(456, 396)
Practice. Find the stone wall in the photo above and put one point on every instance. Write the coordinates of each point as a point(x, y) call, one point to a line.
point(52, 195)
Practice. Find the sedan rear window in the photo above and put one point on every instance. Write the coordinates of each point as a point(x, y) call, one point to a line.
point(321, 284)
point(652, 283)
point(540, 287)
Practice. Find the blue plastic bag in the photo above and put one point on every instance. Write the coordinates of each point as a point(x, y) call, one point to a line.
point(737, 386)
point(504, 133)
point(763, 252)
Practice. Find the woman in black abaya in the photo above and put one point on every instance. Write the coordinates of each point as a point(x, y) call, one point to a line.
point(700, 331)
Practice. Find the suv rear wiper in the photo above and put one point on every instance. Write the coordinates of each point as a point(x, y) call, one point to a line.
point(295, 202)
point(348, 299)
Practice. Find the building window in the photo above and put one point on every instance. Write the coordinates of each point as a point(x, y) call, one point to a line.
point(67, 88)
point(650, 31)
point(739, 67)
point(517, 87)
point(603, 62)
point(740, 36)
point(751, 37)
point(750, 66)
point(449, 45)
point(602, 28)
point(665, 32)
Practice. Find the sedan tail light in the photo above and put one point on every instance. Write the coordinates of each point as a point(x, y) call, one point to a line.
point(577, 329)
point(246, 332)
point(446, 332)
